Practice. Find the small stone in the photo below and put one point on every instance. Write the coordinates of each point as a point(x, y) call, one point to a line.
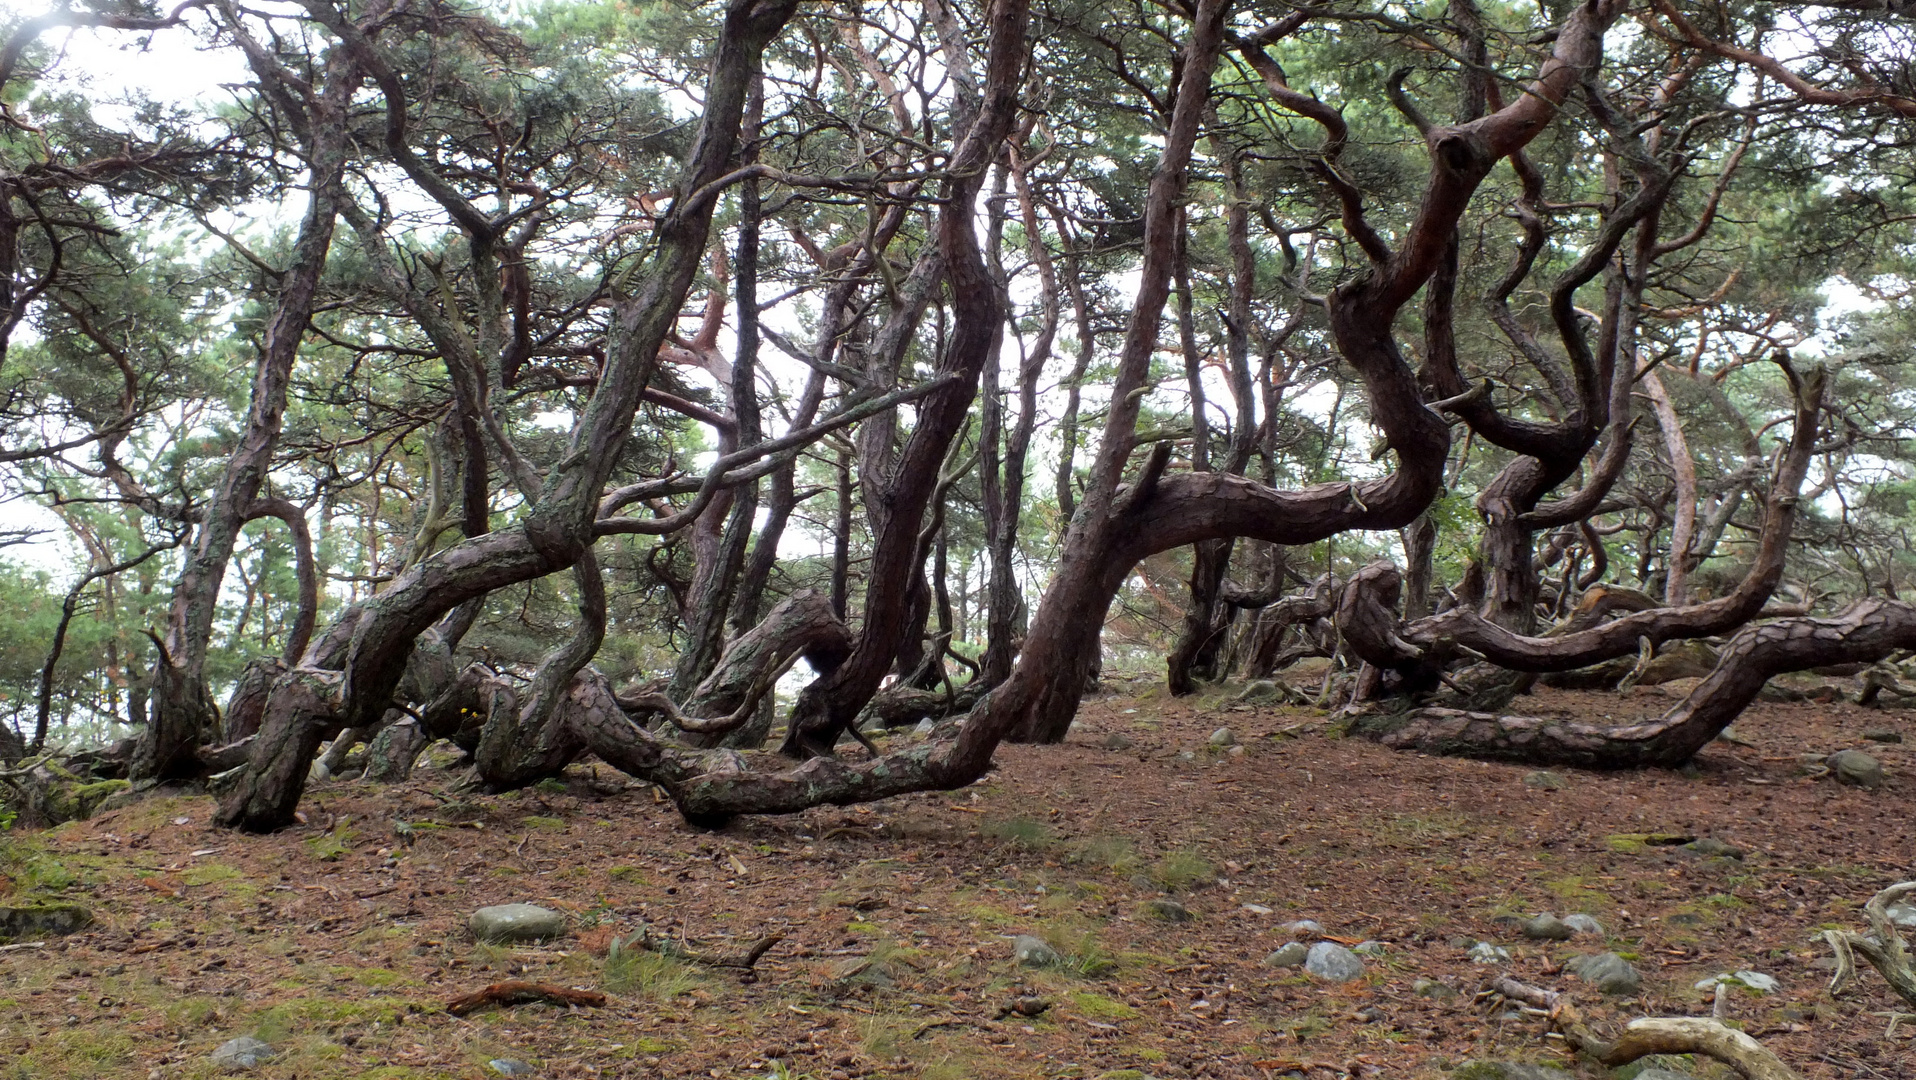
point(1223, 737)
point(1711, 847)
point(1902, 914)
point(516, 922)
point(1883, 735)
point(1548, 927)
point(1370, 1014)
point(1033, 952)
point(1663, 1074)
point(1235, 751)
point(1369, 948)
point(1258, 909)
point(1435, 990)
point(1750, 980)
point(1170, 910)
point(1856, 768)
point(1606, 971)
point(1187, 755)
point(1118, 741)
point(1330, 961)
point(241, 1054)
point(1583, 924)
point(924, 728)
point(1546, 780)
point(1289, 956)
point(1302, 928)
point(509, 1067)
point(1485, 953)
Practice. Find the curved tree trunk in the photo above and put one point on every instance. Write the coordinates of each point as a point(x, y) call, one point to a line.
point(828, 707)
point(183, 714)
point(1442, 634)
point(1865, 632)
point(349, 675)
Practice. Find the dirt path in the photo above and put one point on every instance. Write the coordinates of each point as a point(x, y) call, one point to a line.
point(340, 942)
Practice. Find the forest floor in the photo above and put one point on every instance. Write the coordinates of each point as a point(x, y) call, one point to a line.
point(341, 941)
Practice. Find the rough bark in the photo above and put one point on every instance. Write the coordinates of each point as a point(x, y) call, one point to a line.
point(827, 708)
point(1865, 632)
point(183, 714)
point(1005, 601)
point(1464, 627)
point(802, 625)
point(349, 675)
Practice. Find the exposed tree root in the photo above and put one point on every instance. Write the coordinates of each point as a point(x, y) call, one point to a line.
point(1655, 1035)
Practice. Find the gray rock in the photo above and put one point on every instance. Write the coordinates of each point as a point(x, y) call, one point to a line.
point(1187, 755)
point(1663, 1074)
point(1883, 735)
point(1608, 972)
point(1583, 924)
point(1711, 847)
point(1370, 948)
point(1754, 981)
point(1902, 914)
point(1223, 737)
point(1289, 956)
point(510, 1067)
point(1330, 961)
point(1485, 953)
point(924, 728)
point(1546, 780)
point(1507, 1070)
point(241, 1054)
point(1435, 990)
point(516, 922)
point(1170, 910)
point(35, 920)
point(1235, 751)
point(1118, 741)
point(1258, 909)
point(1856, 768)
point(1547, 927)
point(1302, 928)
point(1033, 952)
point(1261, 692)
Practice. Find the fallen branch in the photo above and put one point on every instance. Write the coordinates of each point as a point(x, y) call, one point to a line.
point(1654, 1035)
point(746, 960)
point(1884, 948)
point(520, 992)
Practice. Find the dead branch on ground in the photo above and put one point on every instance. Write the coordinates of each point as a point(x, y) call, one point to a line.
point(520, 992)
point(1653, 1035)
point(1883, 947)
